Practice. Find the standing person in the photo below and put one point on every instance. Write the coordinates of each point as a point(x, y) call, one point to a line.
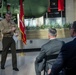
point(49, 52)
point(67, 56)
point(8, 28)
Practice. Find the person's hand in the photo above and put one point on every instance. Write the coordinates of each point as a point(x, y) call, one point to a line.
point(49, 71)
point(13, 29)
point(16, 34)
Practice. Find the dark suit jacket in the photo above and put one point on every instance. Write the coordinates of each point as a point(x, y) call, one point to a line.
point(50, 48)
point(66, 59)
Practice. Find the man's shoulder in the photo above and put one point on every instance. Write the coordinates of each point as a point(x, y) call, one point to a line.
point(45, 44)
point(53, 42)
point(69, 44)
point(58, 41)
point(3, 20)
point(49, 42)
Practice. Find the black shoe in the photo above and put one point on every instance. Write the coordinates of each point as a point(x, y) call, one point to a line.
point(16, 69)
point(2, 67)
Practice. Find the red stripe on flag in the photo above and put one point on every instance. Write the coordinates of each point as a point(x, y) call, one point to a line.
point(60, 5)
point(21, 23)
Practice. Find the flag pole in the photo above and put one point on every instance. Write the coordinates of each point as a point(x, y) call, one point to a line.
point(21, 43)
point(61, 18)
point(21, 46)
point(19, 37)
point(22, 28)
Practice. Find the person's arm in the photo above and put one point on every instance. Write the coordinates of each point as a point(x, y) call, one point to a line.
point(16, 31)
point(41, 55)
point(3, 29)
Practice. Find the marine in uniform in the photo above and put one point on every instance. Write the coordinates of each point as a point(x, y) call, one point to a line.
point(8, 28)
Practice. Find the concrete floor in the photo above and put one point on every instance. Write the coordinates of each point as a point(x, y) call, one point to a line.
point(25, 64)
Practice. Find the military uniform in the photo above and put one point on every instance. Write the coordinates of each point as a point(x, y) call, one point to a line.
point(8, 42)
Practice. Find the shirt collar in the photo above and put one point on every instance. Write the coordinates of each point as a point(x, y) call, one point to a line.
point(52, 38)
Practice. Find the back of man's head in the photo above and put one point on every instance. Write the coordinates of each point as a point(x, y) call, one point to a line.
point(74, 26)
point(73, 29)
point(53, 32)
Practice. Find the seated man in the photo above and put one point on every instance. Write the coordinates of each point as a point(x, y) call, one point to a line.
point(48, 53)
point(67, 56)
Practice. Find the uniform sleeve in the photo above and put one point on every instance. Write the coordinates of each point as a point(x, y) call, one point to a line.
point(1, 26)
point(3, 29)
point(17, 31)
point(14, 25)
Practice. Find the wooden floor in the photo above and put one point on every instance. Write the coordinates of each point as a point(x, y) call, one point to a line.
point(25, 64)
